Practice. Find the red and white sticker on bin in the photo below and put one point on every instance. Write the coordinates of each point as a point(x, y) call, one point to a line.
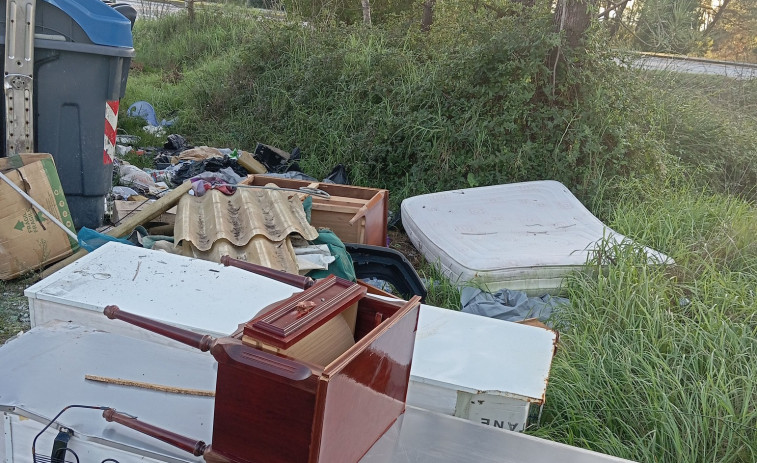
point(111, 123)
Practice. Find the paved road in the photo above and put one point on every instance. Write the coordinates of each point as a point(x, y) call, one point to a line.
point(151, 9)
point(698, 66)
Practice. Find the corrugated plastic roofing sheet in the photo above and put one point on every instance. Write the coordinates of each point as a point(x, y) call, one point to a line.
point(278, 255)
point(251, 224)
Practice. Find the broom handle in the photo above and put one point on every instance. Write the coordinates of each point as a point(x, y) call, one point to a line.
point(41, 209)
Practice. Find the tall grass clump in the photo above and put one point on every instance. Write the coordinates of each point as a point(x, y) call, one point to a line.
point(470, 103)
point(657, 363)
point(708, 123)
point(171, 52)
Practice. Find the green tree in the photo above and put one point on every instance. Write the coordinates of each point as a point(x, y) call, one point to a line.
point(733, 31)
point(722, 29)
point(669, 26)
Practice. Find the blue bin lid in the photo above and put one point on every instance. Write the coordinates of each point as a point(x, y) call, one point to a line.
point(102, 24)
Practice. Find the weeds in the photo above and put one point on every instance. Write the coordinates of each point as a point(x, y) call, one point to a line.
point(658, 365)
point(466, 102)
point(14, 306)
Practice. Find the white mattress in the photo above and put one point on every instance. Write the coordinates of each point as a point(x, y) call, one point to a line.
point(520, 236)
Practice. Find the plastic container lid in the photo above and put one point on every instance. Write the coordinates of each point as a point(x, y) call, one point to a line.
point(102, 24)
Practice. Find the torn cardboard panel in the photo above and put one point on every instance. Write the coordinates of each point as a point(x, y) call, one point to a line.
point(200, 153)
point(28, 239)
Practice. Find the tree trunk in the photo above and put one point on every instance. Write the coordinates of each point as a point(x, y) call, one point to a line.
point(572, 18)
point(190, 6)
point(617, 21)
point(717, 16)
point(366, 12)
point(428, 15)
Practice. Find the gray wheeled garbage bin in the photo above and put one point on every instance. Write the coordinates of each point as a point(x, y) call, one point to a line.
point(82, 53)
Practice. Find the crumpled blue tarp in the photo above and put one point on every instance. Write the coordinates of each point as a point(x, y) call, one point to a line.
point(90, 239)
point(509, 305)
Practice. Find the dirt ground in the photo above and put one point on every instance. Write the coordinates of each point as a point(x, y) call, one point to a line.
point(398, 240)
point(14, 307)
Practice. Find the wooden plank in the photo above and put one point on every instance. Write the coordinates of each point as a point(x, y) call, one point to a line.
point(356, 202)
point(351, 210)
point(151, 211)
point(334, 189)
point(126, 209)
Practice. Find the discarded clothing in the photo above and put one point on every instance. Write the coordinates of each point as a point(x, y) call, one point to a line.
point(509, 305)
point(137, 179)
point(202, 185)
point(189, 169)
point(226, 174)
point(175, 144)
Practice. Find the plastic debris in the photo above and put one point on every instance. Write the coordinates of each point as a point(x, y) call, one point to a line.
point(123, 192)
point(146, 111)
point(509, 305)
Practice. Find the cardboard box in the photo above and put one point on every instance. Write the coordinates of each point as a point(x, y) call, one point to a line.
point(28, 239)
point(355, 214)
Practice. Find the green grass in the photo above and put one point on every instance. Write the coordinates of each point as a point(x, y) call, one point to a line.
point(708, 122)
point(657, 363)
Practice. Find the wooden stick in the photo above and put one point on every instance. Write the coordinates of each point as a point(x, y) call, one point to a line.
point(156, 387)
point(145, 215)
point(151, 211)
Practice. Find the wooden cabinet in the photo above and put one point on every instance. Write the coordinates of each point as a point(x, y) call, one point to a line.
point(337, 411)
point(355, 214)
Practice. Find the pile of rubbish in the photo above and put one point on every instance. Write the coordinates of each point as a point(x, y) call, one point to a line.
point(177, 162)
point(253, 206)
point(243, 234)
